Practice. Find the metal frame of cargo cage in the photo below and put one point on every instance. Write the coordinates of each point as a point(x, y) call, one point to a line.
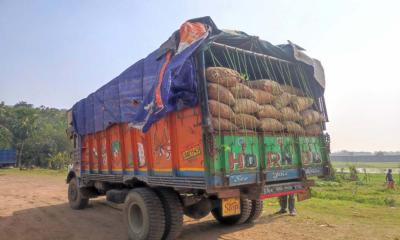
point(291, 186)
point(200, 61)
point(321, 100)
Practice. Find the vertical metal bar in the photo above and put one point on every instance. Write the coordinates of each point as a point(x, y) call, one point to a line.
point(174, 142)
point(132, 133)
point(90, 152)
point(124, 160)
point(109, 150)
point(99, 155)
point(200, 66)
point(203, 95)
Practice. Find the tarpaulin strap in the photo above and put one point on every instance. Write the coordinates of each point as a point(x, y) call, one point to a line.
point(159, 101)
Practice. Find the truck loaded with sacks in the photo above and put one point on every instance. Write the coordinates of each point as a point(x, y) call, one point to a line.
point(211, 122)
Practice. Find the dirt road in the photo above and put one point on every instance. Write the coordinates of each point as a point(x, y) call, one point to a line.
point(34, 207)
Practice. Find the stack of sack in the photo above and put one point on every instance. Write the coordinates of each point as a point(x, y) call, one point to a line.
point(259, 105)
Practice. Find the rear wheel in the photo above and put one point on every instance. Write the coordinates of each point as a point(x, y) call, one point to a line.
point(75, 197)
point(256, 210)
point(245, 210)
point(144, 215)
point(173, 212)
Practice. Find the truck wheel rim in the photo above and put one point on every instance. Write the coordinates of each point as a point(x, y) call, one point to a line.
point(135, 218)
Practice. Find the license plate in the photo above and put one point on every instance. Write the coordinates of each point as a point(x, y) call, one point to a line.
point(304, 196)
point(230, 206)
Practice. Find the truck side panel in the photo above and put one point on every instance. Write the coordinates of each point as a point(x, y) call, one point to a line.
point(172, 147)
point(188, 144)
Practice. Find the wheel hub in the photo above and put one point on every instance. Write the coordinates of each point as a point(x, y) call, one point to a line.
point(135, 218)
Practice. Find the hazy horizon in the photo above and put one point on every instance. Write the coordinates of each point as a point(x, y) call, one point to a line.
point(55, 53)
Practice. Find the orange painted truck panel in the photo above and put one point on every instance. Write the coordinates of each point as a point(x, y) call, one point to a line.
point(172, 147)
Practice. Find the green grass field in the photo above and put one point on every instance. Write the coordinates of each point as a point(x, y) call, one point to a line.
point(362, 209)
point(369, 189)
point(35, 171)
point(380, 165)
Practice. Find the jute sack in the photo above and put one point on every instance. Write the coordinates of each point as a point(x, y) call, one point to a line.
point(246, 121)
point(266, 85)
point(269, 111)
point(218, 109)
point(263, 97)
point(311, 116)
point(224, 76)
point(301, 103)
point(289, 114)
point(271, 125)
point(220, 93)
point(243, 105)
point(223, 124)
point(293, 127)
point(282, 100)
point(242, 91)
point(313, 129)
point(292, 90)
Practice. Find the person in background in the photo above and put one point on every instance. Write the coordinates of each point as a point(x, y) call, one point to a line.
point(286, 200)
point(389, 179)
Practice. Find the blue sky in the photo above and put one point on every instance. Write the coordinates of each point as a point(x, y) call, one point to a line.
point(54, 53)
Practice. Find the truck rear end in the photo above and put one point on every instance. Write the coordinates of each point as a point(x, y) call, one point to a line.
point(222, 153)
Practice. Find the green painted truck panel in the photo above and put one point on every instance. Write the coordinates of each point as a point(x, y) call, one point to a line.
point(248, 159)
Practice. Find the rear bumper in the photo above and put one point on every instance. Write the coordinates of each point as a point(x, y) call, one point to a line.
point(281, 189)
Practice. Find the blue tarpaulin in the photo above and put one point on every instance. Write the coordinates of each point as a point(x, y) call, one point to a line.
point(131, 97)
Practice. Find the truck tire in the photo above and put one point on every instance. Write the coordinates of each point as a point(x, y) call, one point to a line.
point(75, 197)
point(173, 212)
point(144, 215)
point(256, 210)
point(245, 210)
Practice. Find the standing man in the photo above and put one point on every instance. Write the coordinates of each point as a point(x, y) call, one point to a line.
point(286, 200)
point(389, 179)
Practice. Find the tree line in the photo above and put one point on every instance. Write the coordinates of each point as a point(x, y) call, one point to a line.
point(37, 134)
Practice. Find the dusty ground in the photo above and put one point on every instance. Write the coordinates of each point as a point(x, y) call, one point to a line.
point(34, 207)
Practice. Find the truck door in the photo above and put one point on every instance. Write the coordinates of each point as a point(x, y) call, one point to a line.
point(281, 158)
point(313, 154)
point(239, 157)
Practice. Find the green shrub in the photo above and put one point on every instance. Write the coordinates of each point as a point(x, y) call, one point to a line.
point(58, 161)
point(353, 173)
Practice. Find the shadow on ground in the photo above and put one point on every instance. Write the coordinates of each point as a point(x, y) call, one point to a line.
point(98, 221)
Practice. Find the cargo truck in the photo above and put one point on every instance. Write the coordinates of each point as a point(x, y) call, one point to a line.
point(146, 139)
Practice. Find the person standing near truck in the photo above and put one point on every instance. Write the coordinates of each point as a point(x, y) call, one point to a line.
point(389, 179)
point(287, 201)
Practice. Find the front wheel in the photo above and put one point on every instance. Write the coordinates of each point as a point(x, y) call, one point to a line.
point(245, 211)
point(75, 197)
